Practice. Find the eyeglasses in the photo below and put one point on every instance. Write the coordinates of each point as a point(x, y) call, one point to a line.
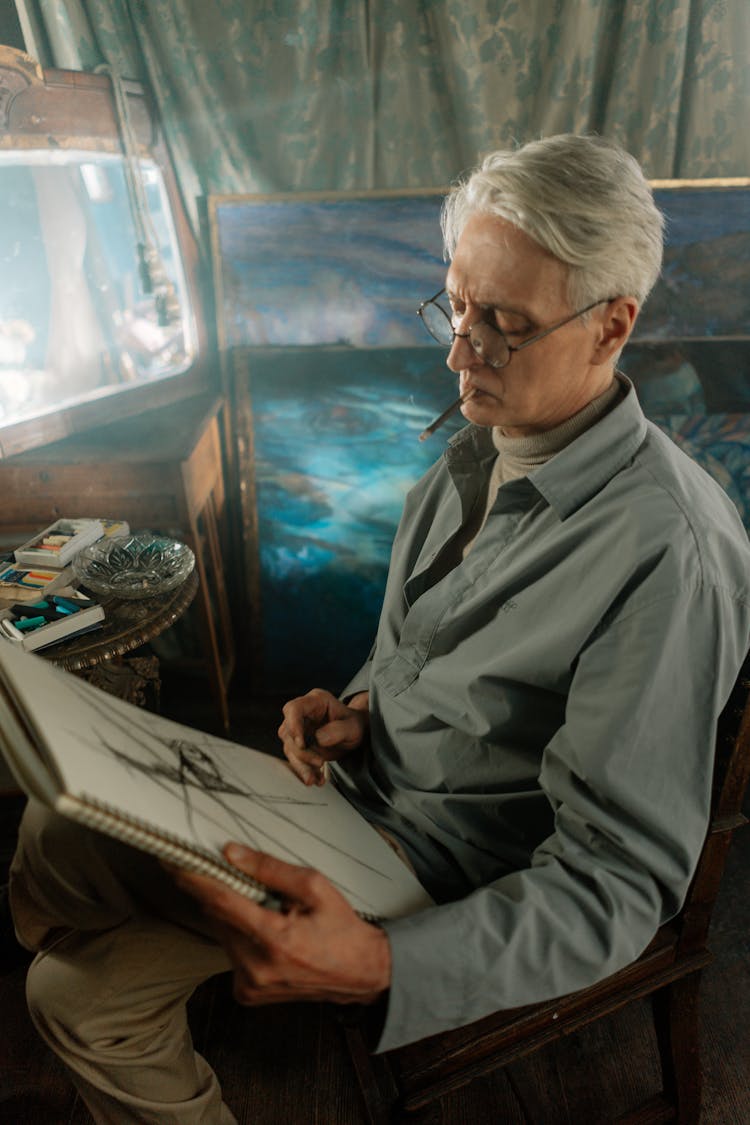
point(488, 341)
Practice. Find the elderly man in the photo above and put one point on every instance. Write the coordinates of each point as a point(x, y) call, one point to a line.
point(566, 610)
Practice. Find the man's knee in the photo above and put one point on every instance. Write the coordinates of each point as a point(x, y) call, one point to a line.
point(60, 878)
point(65, 875)
point(46, 839)
point(59, 999)
point(77, 1008)
point(121, 989)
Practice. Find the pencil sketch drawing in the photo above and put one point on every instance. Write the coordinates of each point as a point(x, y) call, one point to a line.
point(183, 768)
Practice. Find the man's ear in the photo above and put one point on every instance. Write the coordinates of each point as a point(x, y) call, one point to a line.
point(614, 328)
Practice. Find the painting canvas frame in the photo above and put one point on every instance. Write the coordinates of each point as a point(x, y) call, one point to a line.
point(332, 379)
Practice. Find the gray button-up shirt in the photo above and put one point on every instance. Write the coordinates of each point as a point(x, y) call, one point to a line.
point(543, 713)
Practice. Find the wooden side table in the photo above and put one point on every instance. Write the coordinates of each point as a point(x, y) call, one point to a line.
point(160, 472)
point(128, 624)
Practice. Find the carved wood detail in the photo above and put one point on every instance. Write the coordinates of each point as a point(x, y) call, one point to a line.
point(18, 71)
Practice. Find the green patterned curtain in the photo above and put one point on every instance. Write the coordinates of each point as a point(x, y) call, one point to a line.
point(292, 95)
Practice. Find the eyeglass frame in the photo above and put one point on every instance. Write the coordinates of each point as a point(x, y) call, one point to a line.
point(511, 347)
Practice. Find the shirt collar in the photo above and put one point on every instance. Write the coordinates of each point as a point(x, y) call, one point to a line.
point(581, 469)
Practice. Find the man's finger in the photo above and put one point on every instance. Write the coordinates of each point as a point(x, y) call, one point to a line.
point(223, 905)
point(307, 773)
point(339, 734)
point(301, 884)
point(310, 757)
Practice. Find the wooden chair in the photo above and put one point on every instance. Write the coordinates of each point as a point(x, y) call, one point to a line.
point(398, 1085)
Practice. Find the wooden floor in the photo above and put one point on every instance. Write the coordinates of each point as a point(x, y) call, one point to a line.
point(288, 1066)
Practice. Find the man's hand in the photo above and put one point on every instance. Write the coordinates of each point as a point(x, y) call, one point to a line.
point(319, 728)
point(319, 949)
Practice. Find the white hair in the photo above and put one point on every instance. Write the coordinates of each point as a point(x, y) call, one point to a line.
point(583, 198)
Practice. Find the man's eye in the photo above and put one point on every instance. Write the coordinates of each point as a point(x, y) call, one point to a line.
point(512, 329)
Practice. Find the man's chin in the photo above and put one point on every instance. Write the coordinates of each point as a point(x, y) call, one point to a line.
point(484, 409)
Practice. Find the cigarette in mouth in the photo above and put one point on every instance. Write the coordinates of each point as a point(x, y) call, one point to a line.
point(454, 406)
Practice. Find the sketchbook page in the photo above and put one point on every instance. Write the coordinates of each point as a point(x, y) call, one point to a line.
point(204, 789)
point(157, 842)
point(20, 751)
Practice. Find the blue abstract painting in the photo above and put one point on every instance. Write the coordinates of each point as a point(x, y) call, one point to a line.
point(704, 289)
point(345, 269)
point(333, 464)
point(318, 294)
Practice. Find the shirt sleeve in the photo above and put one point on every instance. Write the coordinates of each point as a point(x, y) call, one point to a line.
point(628, 776)
point(360, 681)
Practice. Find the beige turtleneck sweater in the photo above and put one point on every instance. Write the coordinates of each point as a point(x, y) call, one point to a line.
point(518, 456)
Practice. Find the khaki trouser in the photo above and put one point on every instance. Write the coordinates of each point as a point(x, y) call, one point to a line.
point(119, 951)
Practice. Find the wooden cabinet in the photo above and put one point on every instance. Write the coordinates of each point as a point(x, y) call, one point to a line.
point(160, 471)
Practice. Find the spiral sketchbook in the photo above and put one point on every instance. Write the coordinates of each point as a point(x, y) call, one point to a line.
point(181, 794)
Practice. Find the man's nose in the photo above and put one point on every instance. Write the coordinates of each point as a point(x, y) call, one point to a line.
point(461, 355)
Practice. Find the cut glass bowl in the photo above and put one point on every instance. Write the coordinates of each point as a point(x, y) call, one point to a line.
point(134, 566)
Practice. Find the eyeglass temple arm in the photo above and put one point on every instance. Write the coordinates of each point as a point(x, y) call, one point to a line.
point(560, 323)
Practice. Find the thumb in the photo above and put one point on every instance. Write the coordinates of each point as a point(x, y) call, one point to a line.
point(287, 879)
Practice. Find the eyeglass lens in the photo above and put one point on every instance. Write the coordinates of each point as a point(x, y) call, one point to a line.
point(487, 342)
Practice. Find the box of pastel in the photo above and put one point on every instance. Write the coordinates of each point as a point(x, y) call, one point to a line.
point(35, 625)
point(17, 584)
point(53, 548)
